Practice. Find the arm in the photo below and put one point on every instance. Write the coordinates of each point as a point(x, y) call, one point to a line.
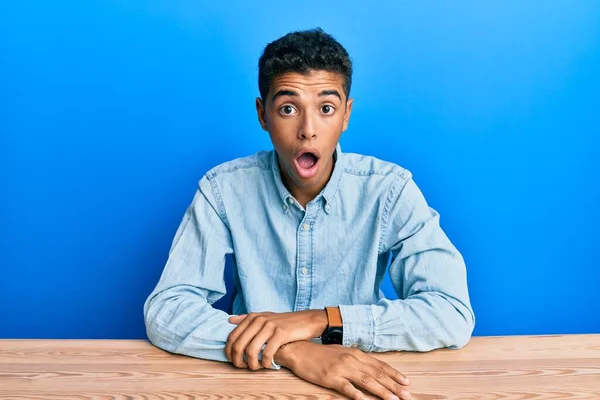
point(178, 313)
point(344, 370)
point(429, 277)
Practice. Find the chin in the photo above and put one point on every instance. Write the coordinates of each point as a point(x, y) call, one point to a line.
point(307, 183)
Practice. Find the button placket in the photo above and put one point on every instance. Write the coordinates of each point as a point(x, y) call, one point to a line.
point(304, 246)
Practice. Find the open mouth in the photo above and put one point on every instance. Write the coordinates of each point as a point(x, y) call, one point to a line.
point(307, 160)
point(307, 163)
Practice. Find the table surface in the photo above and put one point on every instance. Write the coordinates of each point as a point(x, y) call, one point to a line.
point(512, 367)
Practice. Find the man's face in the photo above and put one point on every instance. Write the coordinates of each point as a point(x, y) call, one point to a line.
point(305, 114)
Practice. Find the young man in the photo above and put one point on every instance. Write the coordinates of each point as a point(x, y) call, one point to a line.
point(311, 227)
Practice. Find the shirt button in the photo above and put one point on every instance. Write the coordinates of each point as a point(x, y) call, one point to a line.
point(306, 227)
point(327, 208)
point(354, 346)
point(290, 200)
point(304, 271)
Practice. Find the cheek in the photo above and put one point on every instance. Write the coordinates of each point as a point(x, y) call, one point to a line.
point(280, 136)
point(333, 123)
point(340, 119)
point(283, 128)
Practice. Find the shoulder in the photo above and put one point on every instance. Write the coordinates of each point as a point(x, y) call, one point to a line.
point(255, 163)
point(232, 178)
point(369, 166)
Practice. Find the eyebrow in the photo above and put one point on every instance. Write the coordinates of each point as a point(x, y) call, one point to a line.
point(292, 93)
point(330, 93)
point(284, 93)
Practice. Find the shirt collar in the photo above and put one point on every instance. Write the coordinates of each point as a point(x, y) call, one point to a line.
point(329, 191)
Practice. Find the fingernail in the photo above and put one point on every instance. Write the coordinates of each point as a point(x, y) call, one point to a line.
point(394, 397)
point(405, 381)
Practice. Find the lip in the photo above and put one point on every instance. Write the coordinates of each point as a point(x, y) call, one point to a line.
point(312, 171)
point(307, 150)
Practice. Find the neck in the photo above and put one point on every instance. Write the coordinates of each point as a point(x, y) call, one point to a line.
point(305, 195)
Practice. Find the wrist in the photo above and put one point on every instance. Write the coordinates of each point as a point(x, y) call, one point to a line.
point(321, 322)
point(286, 355)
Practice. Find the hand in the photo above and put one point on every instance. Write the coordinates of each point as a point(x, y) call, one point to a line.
point(344, 370)
point(275, 329)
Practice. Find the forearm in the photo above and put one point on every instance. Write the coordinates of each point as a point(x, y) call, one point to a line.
point(423, 322)
point(180, 320)
point(286, 355)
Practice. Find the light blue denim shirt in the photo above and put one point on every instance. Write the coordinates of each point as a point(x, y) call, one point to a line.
point(334, 252)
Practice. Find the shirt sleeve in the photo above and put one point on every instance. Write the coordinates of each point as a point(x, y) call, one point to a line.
point(427, 272)
point(178, 314)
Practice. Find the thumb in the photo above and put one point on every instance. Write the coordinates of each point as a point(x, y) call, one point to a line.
point(237, 319)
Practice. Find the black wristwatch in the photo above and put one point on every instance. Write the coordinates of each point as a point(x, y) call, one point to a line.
point(334, 333)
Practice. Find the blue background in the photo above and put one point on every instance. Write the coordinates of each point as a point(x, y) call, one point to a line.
point(111, 111)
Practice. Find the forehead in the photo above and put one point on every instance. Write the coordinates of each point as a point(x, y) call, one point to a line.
point(307, 84)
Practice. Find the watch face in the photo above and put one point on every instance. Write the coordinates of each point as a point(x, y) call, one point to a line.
point(333, 336)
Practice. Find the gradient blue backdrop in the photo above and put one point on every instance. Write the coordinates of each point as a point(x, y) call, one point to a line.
point(111, 111)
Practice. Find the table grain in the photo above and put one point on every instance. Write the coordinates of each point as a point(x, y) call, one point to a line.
point(488, 368)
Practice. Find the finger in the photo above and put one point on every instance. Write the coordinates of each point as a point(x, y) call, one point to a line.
point(372, 385)
point(231, 340)
point(228, 347)
point(233, 336)
point(381, 375)
point(394, 374)
point(237, 319)
point(273, 345)
point(253, 349)
point(399, 377)
point(239, 346)
point(346, 388)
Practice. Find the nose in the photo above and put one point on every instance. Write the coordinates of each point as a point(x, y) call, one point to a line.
point(308, 129)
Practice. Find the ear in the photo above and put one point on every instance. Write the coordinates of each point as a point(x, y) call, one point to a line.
point(347, 114)
point(260, 111)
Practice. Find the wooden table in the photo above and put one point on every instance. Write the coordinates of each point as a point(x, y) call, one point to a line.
point(518, 367)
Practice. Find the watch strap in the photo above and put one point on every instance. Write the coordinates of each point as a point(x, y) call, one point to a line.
point(334, 317)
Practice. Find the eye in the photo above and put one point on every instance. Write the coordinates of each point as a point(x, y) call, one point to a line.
point(327, 109)
point(287, 110)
